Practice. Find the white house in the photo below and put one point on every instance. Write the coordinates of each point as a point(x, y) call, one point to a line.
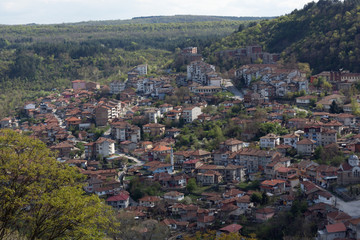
point(117, 86)
point(153, 115)
point(325, 197)
point(174, 196)
point(216, 81)
point(105, 146)
point(149, 201)
point(191, 113)
point(197, 72)
point(269, 141)
point(291, 139)
point(141, 69)
point(332, 231)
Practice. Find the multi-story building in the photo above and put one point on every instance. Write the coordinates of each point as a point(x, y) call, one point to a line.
point(252, 159)
point(105, 147)
point(119, 201)
point(153, 115)
point(189, 114)
point(305, 146)
point(349, 172)
point(141, 69)
point(90, 150)
point(154, 129)
point(269, 141)
point(117, 86)
point(123, 131)
point(79, 85)
point(321, 136)
point(291, 139)
point(197, 72)
point(106, 112)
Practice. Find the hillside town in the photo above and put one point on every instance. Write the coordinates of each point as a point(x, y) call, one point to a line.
point(196, 151)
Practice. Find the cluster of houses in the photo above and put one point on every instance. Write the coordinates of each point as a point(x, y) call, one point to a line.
point(88, 127)
point(250, 54)
point(271, 81)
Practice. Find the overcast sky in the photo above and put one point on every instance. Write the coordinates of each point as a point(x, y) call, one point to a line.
point(63, 11)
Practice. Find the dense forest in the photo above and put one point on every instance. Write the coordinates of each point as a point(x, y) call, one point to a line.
point(35, 59)
point(171, 19)
point(325, 34)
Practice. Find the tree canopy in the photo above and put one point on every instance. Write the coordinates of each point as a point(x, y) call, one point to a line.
point(41, 198)
point(324, 34)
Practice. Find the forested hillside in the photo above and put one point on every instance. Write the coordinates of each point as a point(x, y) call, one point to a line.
point(37, 58)
point(171, 19)
point(325, 34)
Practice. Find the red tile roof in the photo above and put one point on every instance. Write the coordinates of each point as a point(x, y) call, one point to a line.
point(306, 141)
point(265, 210)
point(337, 227)
point(273, 182)
point(206, 219)
point(150, 199)
point(119, 197)
point(231, 228)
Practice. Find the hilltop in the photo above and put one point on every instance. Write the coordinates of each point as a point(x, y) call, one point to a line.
point(325, 34)
point(169, 19)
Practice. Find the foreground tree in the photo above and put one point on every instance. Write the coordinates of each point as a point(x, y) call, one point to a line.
point(43, 199)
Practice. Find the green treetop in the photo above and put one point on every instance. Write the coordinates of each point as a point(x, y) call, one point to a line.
point(41, 198)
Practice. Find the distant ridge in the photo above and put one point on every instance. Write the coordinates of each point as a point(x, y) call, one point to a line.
point(169, 19)
point(325, 34)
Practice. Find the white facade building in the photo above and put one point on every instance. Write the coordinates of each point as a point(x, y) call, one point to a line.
point(191, 113)
point(117, 86)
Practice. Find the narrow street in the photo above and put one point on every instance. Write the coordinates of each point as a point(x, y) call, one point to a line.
point(138, 162)
point(231, 88)
point(352, 208)
point(61, 122)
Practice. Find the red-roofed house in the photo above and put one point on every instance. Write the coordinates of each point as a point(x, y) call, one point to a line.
point(264, 214)
point(244, 202)
point(349, 172)
point(154, 129)
point(174, 225)
point(354, 228)
point(332, 231)
point(72, 121)
point(118, 201)
point(337, 216)
point(305, 146)
point(79, 85)
point(275, 186)
point(232, 228)
point(174, 196)
point(285, 173)
point(5, 123)
point(269, 141)
point(105, 146)
point(205, 221)
point(191, 165)
point(149, 201)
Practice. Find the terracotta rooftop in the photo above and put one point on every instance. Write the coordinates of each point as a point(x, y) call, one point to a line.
point(337, 227)
point(272, 182)
point(231, 228)
point(119, 197)
point(305, 141)
point(265, 210)
point(150, 199)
